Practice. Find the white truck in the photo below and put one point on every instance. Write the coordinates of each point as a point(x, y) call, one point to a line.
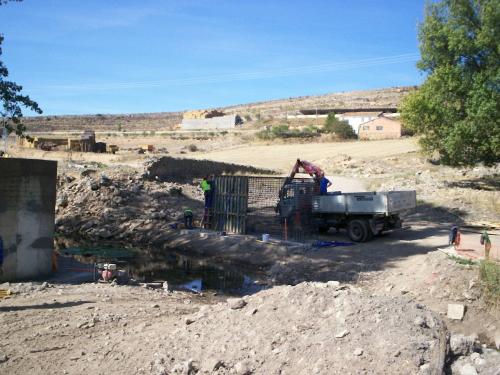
point(363, 214)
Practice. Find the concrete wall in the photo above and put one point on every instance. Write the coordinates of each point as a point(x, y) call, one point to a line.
point(223, 122)
point(27, 202)
point(380, 128)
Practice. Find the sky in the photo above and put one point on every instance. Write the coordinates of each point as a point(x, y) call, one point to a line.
point(130, 56)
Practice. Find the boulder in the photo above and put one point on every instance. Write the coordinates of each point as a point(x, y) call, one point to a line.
point(236, 303)
point(461, 345)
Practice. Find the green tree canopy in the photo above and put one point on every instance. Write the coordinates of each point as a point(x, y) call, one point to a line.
point(11, 99)
point(457, 109)
point(341, 128)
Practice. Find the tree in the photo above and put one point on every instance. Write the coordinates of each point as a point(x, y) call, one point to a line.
point(12, 100)
point(457, 109)
point(341, 128)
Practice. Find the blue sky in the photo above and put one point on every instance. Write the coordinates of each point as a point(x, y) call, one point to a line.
point(124, 56)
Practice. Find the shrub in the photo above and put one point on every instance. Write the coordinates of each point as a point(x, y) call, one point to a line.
point(489, 272)
point(342, 129)
point(175, 191)
point(192, 148)
point(283, 131)
point(280, 129)
point(310, 129)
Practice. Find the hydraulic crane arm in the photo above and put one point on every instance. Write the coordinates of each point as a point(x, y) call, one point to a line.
point(309, 168)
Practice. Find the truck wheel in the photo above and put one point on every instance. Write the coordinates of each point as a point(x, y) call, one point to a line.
point(357, 230)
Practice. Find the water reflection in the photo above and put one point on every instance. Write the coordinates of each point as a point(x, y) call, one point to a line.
point(177, 270)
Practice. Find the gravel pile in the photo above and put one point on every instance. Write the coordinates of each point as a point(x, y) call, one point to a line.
point(120, 207)
point(311, 328)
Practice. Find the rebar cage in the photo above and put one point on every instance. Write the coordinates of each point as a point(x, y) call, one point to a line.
point(252, 204)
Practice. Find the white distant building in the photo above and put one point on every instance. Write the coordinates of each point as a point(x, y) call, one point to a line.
point(209, 120)
point(357, 118)
point(221, 122)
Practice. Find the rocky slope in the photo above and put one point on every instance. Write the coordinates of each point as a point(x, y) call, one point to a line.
point(386, 97)
point(310, 328)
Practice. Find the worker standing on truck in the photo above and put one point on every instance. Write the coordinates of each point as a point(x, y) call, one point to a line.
point(324, 183)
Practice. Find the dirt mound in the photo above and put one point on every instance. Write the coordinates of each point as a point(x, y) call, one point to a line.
point(311, 328)
point(174, 169)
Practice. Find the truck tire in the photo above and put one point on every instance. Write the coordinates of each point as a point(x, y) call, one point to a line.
point(357, 230)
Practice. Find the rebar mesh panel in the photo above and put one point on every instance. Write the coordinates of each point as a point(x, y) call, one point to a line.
point(295, 210)
point(263, 192)
point(230, 204)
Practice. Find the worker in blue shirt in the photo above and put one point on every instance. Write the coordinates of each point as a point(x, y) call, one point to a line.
point(324, 183)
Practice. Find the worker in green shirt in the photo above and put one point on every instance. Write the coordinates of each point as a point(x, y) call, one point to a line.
point(485, 240)
point(207, 191)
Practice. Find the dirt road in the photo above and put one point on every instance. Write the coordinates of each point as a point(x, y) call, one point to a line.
point(282, 156)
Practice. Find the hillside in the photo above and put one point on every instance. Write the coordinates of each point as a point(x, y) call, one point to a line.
point(387, 97)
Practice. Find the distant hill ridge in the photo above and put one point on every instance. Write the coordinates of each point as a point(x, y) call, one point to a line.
point(376, 98)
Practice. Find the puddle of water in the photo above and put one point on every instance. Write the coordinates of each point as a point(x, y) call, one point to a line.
point(79, 264)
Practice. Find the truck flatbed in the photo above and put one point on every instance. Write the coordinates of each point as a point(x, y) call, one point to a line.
point(365, 203)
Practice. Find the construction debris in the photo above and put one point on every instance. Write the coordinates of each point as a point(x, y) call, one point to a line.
point(456, 311)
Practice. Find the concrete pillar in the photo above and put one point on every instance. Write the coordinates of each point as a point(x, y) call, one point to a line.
point(27, 205)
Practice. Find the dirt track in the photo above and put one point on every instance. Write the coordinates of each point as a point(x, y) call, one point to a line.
point(282, 156)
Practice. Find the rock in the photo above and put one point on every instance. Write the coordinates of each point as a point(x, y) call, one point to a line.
point(475, 356)
point(236, 303)
point(94, 186)
point(88, 172)
point(242, 368)
point(213, 365)
point(468, 369)
point(419, 321)
point(425, 368)
point(105, 180)
point(251, 312)
point(3, 358)
point(165, 286)
point(497, 339)
point(456, 311)
point(69, 179)
point(333, 284)
point(155, 306)
point(104, 233)
point(358, 352)
point(62, 201)
point(461, 345)
point(189, 321)
point(179, 368)
point(341, 334)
